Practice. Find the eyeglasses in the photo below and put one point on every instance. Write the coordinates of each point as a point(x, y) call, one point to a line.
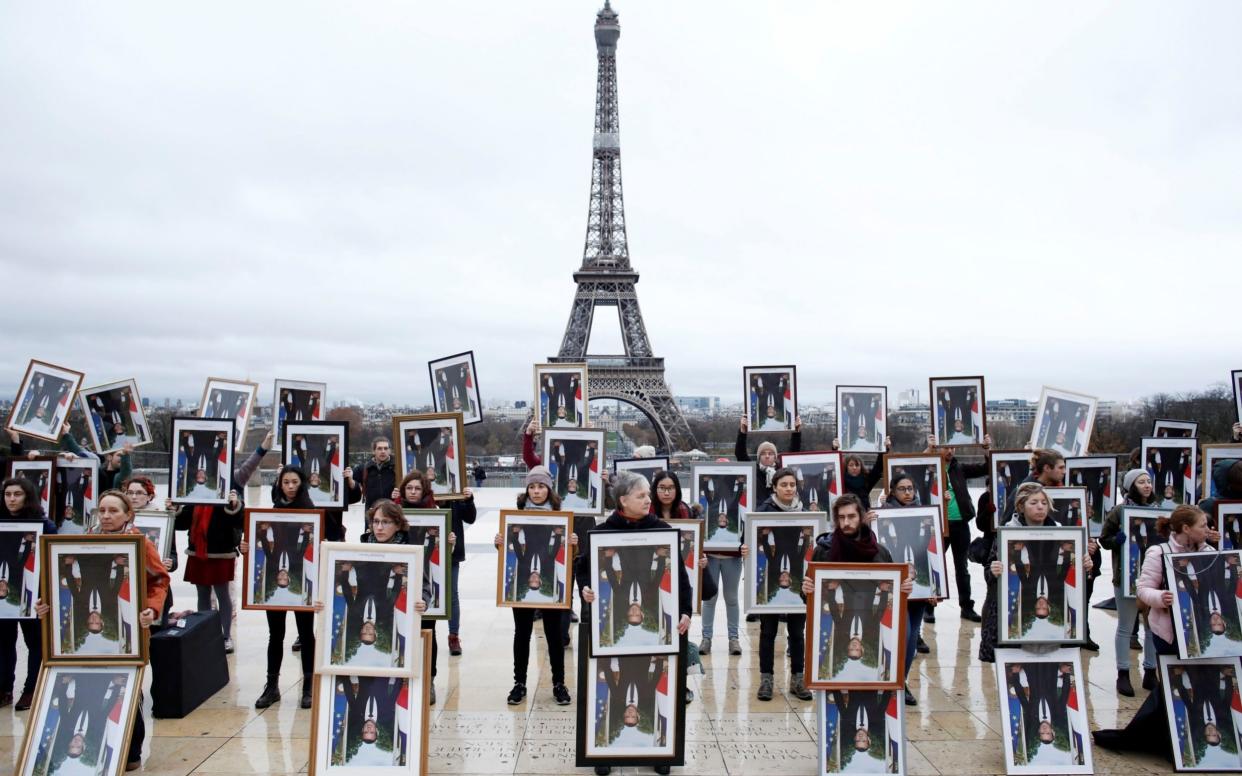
point(135, 493)
point(382, 523)
point(666, 489)
point(904, 488)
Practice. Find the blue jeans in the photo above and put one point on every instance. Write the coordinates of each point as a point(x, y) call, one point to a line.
point(1127, 608)
point(914, 626)
point(727, 572)
point(455, 614)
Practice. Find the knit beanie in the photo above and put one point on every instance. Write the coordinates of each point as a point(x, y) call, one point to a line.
point(765, 446)
point(1127, 482)
point(539, 475)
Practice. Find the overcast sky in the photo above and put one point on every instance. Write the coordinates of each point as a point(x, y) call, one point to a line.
point(1040, 193)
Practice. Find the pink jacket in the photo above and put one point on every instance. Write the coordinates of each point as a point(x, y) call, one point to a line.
point(1150, 589)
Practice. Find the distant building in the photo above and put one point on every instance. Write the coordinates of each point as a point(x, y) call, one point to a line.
point(699, 405)
point(1019, 411)
point(908, 398)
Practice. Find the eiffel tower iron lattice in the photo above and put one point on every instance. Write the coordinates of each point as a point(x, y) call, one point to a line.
point(606, 278)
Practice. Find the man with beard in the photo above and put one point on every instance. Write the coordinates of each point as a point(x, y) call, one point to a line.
point(632, 682)
point(1043, 690)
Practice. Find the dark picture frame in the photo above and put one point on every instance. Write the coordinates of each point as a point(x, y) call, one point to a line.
point(958, 400)
point(211, 454)
point(296, 401)
point(820, 476)
point(455, 386)
point(77, 494)
point(41, 472)
point(1172, 464)
point(929, 473)
point(774, 390)
point(647, 467)
point(1098, 475)
point(862, 430)
point(1009, 468)
point(320, 448)
point(628, 582)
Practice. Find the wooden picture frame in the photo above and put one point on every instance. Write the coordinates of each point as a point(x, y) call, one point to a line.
point(619, 556)
point(1097, 474)
point(543, 549)
point(157, 526)
point(1213, 455)
point(84, 594)
point(1139, 526)
point(779, 544)
point(201, 446)
point(437, 557)
point(285, 538)
point(1197, 694)
point(455, 386)
point(296, 401)
point(110, 405)
point(94, 704)
point(770, 395)
point(1028, 681)
point(1034, 568)
point(1206, 610)
point(358, 586)
point(319, 447)
point(1069, 506)
point(230, 399)
point(43, 401)
point(837, 720)
point(435, 438)
point(821, 475)
point(1172, 464)
point(690, 534)
point(1009, 469)
point(562, 387)
point(958, 400)
point(1175, 429)
point(862, 418)
point(836, 659)
point(19, 544)
point(915, 536)
point(1064, 421)
point(41, 472)
point(647, 467)
point(929, 475)
point(659, 682)
point(411, 723)
point(575, 459)
point(723, 490)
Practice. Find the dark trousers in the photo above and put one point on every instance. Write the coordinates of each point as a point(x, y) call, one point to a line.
point(305, 622)
point(795, 630)
point(959, 543)
point(430, 625)
point(140, 735)
point(523, 626)
point(33, 636)
point(1096, 560)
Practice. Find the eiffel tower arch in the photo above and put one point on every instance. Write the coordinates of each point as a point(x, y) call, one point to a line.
point(606, 278)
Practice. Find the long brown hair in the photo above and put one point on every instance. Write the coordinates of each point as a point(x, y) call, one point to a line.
point(1184, 516)
point(428, 499)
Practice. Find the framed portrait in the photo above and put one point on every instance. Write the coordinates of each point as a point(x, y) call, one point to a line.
point(1207, 608)
point(1204, 723)
point(1177, 429)
point(41, 472)
point(771, 397)
point(857, 629)
point(1097, 474)
point(321, 450)
point(914, 536)
point(1069, 505)
point(690, 534)
point(1214, 456)
point(430, 529)
point(19, 569)
point(631, 715)
point(927, 471)
point(1235, 379)
point(819, 477)
point(575, 459)
point(297, 401)
point(280, 571)
point(370, 626)
point(1043, 589)
point(1139, 526)
point(647, 467)
point(115, 416)
point(455, 386)
point(536, 569)
point(1009, 469)
point(862, 417)
point(373, 725)
point(95, 596)
point(1226, 517)
point(780, 545)
point(436, 444)
point(77, 495)
point(861, 731)
point(157, 526)
point(637, 591)
point(202, 460)
point(1063, 422)
point(725, 492)
point(561, 395)
point(231, 400)
point(1043, 703)
point(43, 400)
point(81, 720)
point(1171, 464)
point(958, 411)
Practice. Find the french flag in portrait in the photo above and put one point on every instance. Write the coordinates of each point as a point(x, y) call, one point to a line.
point(450, 464)
point(879, 424)
point(892, 726)
point(222, 470)
point(308, 572)
point(30, 582)
point(553, 470)
point(114, 732)
point(976, 417)
point(435, 568)
point(399, 634)
point(743, 510)
point(578, 405)
point(337, 474)
point(1188, 481)
point(1076, 728)
point(789, 420)
point(664, 705)
point(560, 568)
point(597, 484)
point(403, 724)
point(668, 604)
point(1071, 599)
point(135, 416)
point(128, 626)
point(1235, 705)
point(887, 637)
point(934, 564)
point(934, 488)
point(1079, 447)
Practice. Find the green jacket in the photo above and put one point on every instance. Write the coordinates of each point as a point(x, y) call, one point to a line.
point(1112, 537)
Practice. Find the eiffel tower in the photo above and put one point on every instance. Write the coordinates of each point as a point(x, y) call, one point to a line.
point(606, 278)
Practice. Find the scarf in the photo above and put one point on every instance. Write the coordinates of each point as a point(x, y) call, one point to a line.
point(796, 506)
point(861, 548)
point(545, 506)
point(200, 522)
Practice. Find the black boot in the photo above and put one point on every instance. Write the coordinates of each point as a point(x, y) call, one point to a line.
point(1123, 683)
point(308, 686)
point(271, 693)
point(1149, 678)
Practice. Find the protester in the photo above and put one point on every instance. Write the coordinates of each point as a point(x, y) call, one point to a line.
point(856, 478)
point(21, 505)
point(902, 492)
point(374, 480)
point(1137, 490)
point(960, 511)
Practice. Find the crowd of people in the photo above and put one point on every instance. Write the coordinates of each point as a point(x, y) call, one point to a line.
point(214, 541)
